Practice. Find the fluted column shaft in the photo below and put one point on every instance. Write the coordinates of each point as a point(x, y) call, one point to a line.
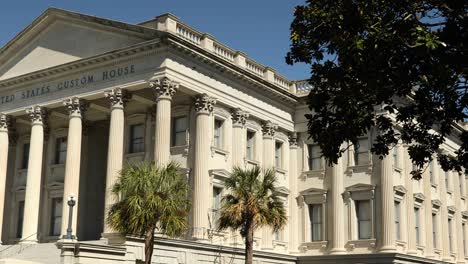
point(337, 209)
point(293, 207)
point(201, 180)
point(387, 201)
point(4, 122)
point(409, 199)
point(117, 98)
point(164, 89)
point(76, 108)
point(34, 175)
point(239, 119)
point(444, 218)
point(268, 130)
point(427, 214)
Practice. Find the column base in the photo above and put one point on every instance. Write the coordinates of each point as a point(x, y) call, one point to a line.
point(412, 252)
point(387, 249)
point(113, 238)
point(29, 242)
point(337, 251)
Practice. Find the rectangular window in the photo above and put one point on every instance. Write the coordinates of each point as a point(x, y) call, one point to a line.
point(396, 164)
point(417, 225)
point(315, 159)
point(434, 230)
point(179, 131)
point(450, 235)
point(137, 138)
point(60, 150)
point(56, 216)
point(464, 238)
point(431, 172)
point(278, 154)
point(447, 187)
point(461, 181)
point(250, 145)
point(363, 213)
point(361, 152)
point(398, 220)
point(315, 217)
point(19, 226)
point(218, 133)
point(25, 160)
point(279, 235)
point(216, 205)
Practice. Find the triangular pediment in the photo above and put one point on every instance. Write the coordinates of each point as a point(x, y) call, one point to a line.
point(58, 37)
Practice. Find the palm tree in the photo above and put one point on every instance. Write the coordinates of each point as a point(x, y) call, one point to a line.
point(253, 202)
point(151, 198)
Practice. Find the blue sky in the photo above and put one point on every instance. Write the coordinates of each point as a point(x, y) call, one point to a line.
point(260, 28)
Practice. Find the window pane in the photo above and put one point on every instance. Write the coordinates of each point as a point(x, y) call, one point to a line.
point(250, 145)
point(60, 150)
point(315, 217)
point(397, 220)
point(179, 131)
point(363, 213)
point(56, 217)
point(434, 230)
point(19, 227)
point(417, 225)
point(278, 154)
point(315, 159)
point(25, 156)
point(361, 152)
point(137, 133)
point(218, 125)
point(450, 234)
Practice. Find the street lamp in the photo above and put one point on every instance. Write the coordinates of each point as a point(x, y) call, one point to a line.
point(71, 202)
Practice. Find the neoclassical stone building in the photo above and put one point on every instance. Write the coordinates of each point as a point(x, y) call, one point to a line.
point(81, 95)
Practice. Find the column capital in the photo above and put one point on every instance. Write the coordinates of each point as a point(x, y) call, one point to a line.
point(76, 107)
point(204, 103)
point(269, 129)
point(4, 122)
point(239, 117)
point(37, 114)
point(164, 88)
point(117, 97)
point(292, 140)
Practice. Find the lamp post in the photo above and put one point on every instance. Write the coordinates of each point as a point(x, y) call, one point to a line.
point(71, 202)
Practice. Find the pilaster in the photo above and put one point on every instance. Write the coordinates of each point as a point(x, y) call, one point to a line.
point(337, 209)
point(293, 207)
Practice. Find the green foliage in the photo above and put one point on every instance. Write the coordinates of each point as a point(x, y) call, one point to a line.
point(369, 57)
point(150, 198)
point(253, 201)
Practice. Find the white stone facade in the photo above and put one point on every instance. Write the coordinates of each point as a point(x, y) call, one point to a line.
point(80, 96)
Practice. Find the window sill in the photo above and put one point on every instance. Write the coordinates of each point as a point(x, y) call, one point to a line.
point(434, 185)
point(314, 245)
point(362, 243)
point(437, 251)
point(279, 170)
point(219, 151)
point(320, 173)
point(397, 169)
point(59, 165)
point(251, 162)
point(134, 154)
point(450, 192)
point(367, 168)
point(280, 243)
point(182, 149)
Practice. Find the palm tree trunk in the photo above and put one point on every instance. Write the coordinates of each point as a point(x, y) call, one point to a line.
point(249, 245)
point(149, 245)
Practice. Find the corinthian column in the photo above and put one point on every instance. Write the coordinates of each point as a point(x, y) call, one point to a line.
point(164, 89)
point(5, 123)
point(387, 200)
point(117, 98)
point(239, 117)
point(76, 108)
point(293, 207)
point(337, 209)
point(201, 180)
point(268, 129)
point(37, 115)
